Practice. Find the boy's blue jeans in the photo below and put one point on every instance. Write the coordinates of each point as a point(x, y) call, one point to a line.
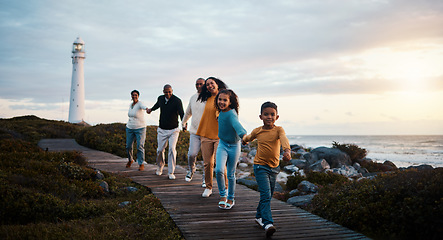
point(138, 135)
point(227, 156)
point(265, 177)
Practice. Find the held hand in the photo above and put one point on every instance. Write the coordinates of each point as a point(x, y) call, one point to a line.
point(287, 155)
point(148, 110)
point(243, 141)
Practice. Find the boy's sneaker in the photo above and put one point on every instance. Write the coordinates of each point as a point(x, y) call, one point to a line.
point(259, 221)
point(188, 177)
point(203, 183)
point(269, 230)
point(171, 176)
point(207, 193)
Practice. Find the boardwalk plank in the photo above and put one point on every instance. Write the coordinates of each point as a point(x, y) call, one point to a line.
point(200, 218)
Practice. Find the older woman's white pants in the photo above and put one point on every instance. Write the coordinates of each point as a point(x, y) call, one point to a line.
point(165, 138)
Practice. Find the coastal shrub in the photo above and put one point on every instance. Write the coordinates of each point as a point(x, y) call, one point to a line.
point(32, 129)
point(354, 151)
point(399, 205)
point(317, 178)
point(293, 181)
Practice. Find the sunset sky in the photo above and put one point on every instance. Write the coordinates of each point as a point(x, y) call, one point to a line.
point(333, 67)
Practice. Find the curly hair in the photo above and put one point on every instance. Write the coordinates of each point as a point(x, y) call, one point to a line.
point(205, 94)
point(233, 99)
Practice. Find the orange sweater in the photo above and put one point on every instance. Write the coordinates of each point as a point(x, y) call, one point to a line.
point(268, 140)
point(208, 126)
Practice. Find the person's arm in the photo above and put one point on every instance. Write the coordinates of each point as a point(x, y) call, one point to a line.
point(249, 138)
point(188, 115)
point(285, 144)
point(180, 109)
point(239, 129)
point(155, 107)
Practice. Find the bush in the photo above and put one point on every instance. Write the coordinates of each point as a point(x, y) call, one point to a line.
point(32, 129)
point(317, 178)
point(354, 151)
point(400, 205)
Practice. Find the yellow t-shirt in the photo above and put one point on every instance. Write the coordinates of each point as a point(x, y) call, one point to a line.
point(268, 140)
point(208, 126)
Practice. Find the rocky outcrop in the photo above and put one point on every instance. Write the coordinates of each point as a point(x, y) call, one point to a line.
point(333, 156)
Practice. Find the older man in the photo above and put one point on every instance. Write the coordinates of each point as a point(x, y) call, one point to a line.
point(170, 108)
point(195, 110)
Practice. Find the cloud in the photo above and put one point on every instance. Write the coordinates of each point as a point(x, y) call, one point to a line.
point(259, 48)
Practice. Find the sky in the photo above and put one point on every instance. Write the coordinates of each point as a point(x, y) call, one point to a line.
point(348, 67)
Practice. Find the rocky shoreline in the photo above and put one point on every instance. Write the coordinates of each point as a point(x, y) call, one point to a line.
point(321, 159)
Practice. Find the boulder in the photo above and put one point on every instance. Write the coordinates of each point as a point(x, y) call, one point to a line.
point(290, 168)
point(306, 186)
point(278, 188)
point(252, 153)
point(282, 177)
point(294, 192)
point(242, 165)
point(389, 166)
point(320, 166)
point(309, 158)
point(300, 201)
point(300, 163)
point(333, 156)
point(99, 175)
point(131, 189)
point(248, 183)
point(363, 171)
point(296, 147)
point(104, 185)
point(347, 171)
point(124, 204)
point(421, 167)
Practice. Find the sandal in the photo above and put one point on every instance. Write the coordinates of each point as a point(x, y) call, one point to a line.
point(222, 204)
point(230, 205)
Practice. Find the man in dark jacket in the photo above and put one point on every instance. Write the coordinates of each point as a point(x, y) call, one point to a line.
point(170, 108)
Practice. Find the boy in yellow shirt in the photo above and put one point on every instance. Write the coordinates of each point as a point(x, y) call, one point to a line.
point(266, 162)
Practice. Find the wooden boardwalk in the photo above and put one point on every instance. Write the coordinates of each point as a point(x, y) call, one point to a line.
point(200, 218)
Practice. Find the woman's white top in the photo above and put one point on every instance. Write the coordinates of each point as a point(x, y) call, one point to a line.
point(136, 116)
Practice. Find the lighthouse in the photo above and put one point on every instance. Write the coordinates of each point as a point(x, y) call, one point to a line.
point(77, 99)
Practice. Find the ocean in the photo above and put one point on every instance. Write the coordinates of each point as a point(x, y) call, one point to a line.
point(402, 150)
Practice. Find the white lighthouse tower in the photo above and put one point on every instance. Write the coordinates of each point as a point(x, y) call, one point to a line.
point(77, 99)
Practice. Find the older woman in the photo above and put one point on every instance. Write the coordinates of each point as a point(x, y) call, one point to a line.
point(136, 130)
point(208, 129)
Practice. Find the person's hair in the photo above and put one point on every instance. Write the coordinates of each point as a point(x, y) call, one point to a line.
point(200, 79)
point(205, 94)
point(268, 105)
point(167, 86)
point(135, 91)
point(233, 99)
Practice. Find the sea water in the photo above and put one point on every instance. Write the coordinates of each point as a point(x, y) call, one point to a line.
point(402, 150)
